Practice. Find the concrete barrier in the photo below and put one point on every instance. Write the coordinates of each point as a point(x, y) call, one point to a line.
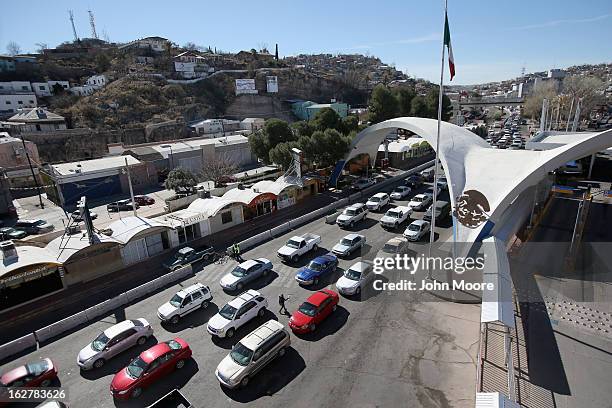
point(61, 326)
point(281, 229)
point(16, 346)
point(183, 272)
point(101, 309)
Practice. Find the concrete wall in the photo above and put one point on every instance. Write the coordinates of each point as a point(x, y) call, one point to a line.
point(93, 262)
point(216, 223)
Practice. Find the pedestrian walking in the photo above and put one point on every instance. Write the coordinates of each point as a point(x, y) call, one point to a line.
point(281, 301)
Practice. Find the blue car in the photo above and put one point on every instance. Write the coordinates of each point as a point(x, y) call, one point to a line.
point(318, 267)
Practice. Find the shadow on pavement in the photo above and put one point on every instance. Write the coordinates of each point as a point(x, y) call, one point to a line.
point(192, 320)
point(329, 326)
point(243, 330)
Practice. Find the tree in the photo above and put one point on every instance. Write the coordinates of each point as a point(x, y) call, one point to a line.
point(404, 98)
point(326, 118)
point(191, 46)
point(383, 105)
point(349, 124)
point(40, 47)
point(275, 132)
point(103, 63)
point(324, 148)
point(587, 89)
point(181, 181)
point(57, 89)
point(281, 154)
point(431, 100)
point(302, 128)
point(13, 48)
point(418, 107)
point(217, 169)
point(533, 103)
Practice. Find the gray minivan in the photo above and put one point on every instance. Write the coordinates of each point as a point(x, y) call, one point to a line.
point(442, 211)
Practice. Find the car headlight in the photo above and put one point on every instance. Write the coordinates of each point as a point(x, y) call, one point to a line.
point(123, 392)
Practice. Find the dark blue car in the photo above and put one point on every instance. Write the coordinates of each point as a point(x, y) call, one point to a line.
point(318, 267)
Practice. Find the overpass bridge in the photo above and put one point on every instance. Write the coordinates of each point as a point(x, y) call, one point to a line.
point(485, 102)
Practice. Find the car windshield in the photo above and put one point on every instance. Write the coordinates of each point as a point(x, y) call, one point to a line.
point(414, 227)
point(40, 222)
point(239, 272)
point(315, 266)
point(393, 214)
point(228, 312)
point(352, 274)
point(241, 354)
point(174, 345)
point(293, 244)
point(417, 199)
point(346, 241)
point(350, 212)
point(38, 368)
point(390, 248)
point(374, 199)
point(176, 300)
point(136, 368)
point(100, 342)
point(398, 190)
point(308, 309)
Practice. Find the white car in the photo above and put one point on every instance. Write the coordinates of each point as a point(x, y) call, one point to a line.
point(236, 313)
point(377, 201)
point(349, 244)
point(400, 192)
point(351, 215)
point(113, 341)
point(420, 202)
point(443, 183)
point(417, 229)
point(184, 302)
point(355, 278)
point(395, 216)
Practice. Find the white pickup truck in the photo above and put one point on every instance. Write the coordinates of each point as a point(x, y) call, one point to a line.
point(395, 216)
point(298, 246)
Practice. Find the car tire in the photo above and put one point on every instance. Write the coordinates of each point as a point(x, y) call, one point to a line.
point(282, 352)
point(141, 340)
point(98, 363)
point(313, 327)
point(352, 224)
point(334, 308)
point(261, 312)
point(244, 382)
point(175, 319)
point(266, 272)
point(239, 287)
point(180, 364)
point(136, 392)
point(315, 248)
point(358, 291)
point(204, 304)
point(315, 281)
point(294, 258)
point(45, 383)
point(230, 333)
point(396, 225)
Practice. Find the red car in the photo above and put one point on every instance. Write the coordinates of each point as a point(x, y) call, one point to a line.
point(144, 200)
point(313, 311)
point(39, 374)
point(152, 364)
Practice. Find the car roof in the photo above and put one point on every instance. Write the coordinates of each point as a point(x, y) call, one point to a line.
point(189, 289)
point(118, 328)
point(323, 258)
point(441, 203)
point(352, 236)
point(380, 195)
point(360, 266)
point(157, 350)
point(260, 334)
point(185, 250)
point(14, 374)
point(243, 298)
point(248, 264)
point(420, 195)
point(419, 222)
point(399, 208)
point(356, 205)
point(319, 296)
point(397, 241)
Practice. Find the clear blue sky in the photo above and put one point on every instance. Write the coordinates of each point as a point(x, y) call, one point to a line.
point(491, 40)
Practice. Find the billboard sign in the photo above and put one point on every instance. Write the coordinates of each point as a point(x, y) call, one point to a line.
point(245, 86)
point(272, 84)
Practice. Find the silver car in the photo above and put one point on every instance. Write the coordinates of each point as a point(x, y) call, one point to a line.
point(113, 341)
point(245, 273)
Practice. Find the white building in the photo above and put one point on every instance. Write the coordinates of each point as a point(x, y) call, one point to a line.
point(38, 120)
point(97, 81)
point(252, 124)
point(82, 90)
point(13, 102)
point(157, 44)
point(15, 87)
point(47, 88)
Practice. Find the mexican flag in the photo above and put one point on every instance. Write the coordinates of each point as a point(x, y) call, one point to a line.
point(447, 42)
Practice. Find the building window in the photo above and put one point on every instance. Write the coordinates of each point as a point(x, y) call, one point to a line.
point(8, 102)
point(20, 102)
point(42, 88)
point(31, 101)
point(24, 88)
point(38, 128)
point(226, 217)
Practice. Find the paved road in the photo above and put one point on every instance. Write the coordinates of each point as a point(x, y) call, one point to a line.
point(389, 350)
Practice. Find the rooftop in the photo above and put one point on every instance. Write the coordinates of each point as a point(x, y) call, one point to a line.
point(35, 115)
point(88, 166)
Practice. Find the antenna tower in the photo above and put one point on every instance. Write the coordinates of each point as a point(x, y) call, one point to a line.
point(93, 25)
point(71, 14)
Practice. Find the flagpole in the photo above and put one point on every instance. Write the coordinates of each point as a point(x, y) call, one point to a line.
point(432, 232)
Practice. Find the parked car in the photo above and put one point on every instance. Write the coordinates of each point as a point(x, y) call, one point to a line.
point(245, 273)
point(442, 211)
point(420, 201)
point(352, 215)
point(316, 269)
point(414, 181)
point(187, 256)
point(416, 230)
point(297, 246)
point(430, 191)
point(256, 350)
point(362, 183)
point(7, 233)
point(314, 311)
point(443, 183)
point(428, 174)
point(113, 341)
point(185, 301)
point(395, 246)
point(236, 313)
point(121, 205)
point(355, 278)
point(144, 200)
point(400, 192)
point(34, 226)
point(377, 201)
point(39, 374)
point(78, 217)
point(349, 244)
point(394, 217)
point(152, 365)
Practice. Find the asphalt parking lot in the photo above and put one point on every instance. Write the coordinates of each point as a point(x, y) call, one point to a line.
point(383, 350)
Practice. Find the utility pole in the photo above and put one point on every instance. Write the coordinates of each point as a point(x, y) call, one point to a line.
point(93, 25)
point(71, 14)
point(127, 169)
point(25, 149)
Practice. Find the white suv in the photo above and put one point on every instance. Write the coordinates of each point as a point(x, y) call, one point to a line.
point(377, 201)
point(236, 313)
point(184, 302)
point(351, 215)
